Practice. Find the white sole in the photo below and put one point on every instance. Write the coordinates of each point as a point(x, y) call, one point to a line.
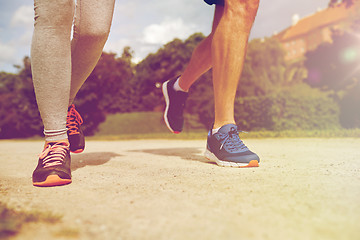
point(167, 100)
point(209, 155)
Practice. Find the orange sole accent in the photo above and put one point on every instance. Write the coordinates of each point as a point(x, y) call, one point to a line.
point(51, 181)
point(252, 163)
point(78, 151)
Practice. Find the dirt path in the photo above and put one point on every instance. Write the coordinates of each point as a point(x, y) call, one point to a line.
point(165, 189)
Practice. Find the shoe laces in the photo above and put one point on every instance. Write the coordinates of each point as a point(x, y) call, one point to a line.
point(231, 141)
point(73, 121)
point(54, 154)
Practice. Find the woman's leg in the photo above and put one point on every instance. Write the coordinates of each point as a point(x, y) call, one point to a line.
point(51, 69)
point(92, 26)
point(51, 64)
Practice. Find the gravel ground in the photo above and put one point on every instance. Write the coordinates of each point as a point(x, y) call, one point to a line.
point(165, 189)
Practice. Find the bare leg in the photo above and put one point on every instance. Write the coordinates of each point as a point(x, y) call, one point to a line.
point(228, 52)
point(200, 61)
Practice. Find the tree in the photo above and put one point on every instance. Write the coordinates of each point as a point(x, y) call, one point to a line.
point(19, 116)
point(265, 69)
point(335, 66)
point(168, 62)
point(347, 2)
point(265, 72)
point(107, 90)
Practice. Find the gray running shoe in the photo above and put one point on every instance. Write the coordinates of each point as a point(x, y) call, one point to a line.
point(226, 149)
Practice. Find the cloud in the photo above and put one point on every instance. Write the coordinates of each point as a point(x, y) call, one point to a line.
point(167, 31)
point(24, 15)
point(7, 53)
point(117, 46)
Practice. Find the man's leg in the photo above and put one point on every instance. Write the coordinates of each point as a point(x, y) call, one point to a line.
point(228, 50)
point(200, 61)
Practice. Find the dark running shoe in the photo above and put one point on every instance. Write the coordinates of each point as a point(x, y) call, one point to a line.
point(74, 132)
point(53, 168)
point(227, 150)
point(175, 104)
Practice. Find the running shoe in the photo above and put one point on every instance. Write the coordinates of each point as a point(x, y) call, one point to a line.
point(74, 132)
point(175, 104)
point(53, 168)
point(226, 149)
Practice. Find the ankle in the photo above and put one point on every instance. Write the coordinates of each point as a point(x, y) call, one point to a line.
point(218, 125)
point(177, 86)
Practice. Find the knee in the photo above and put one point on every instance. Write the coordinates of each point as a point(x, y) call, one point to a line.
point(96, 32)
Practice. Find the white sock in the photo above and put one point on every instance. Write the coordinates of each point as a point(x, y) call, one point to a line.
point(215, 130)
point(177, 86)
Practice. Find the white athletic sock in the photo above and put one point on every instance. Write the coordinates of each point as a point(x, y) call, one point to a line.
point(215, 130)
point(177, 86)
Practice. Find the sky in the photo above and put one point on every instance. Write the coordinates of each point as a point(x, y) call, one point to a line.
point(145, 25)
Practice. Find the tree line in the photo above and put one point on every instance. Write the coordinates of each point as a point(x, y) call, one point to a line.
point(320, 91)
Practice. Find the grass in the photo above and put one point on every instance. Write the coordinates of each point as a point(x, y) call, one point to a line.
point(133, 123)
point(150, 125)
point(12, 220)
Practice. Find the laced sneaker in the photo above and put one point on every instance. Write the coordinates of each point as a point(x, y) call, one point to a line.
point(74, 132)
point(175, 104)
point(53, 168)
point(226, 149)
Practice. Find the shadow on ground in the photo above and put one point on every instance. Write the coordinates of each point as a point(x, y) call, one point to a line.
point(192, 154)
point(91, 159)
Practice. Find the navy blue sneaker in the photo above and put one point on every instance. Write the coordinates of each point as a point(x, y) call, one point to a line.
point(226, 149)
point(175, 104)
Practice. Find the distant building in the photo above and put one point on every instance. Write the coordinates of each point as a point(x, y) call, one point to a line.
point(308, 33)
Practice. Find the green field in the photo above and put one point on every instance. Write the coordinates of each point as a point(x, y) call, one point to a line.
point(147, 125)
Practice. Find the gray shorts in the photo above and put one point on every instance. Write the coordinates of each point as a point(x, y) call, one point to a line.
point(217, 2)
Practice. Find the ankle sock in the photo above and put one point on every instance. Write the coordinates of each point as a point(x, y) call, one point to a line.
point(55, 135)
point(177, 86)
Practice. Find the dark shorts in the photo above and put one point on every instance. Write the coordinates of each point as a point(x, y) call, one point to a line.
point(217, 2)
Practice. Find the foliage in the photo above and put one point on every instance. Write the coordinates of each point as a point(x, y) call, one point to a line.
point(166, 63)
point(265, 69)
point(350, 108)
point(265, 72)
point(107, 90)
point(298, 107)
point(334, 67)
point(19, 116)
point(271, 94)
point(347, 2)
